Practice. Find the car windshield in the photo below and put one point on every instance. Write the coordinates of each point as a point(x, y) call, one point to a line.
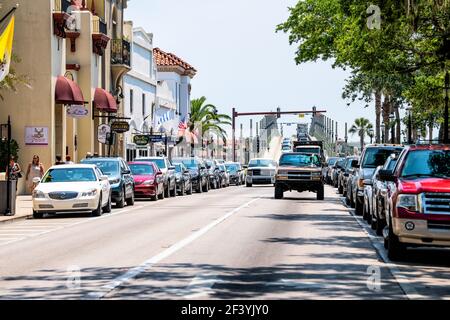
point(332, 161)
point(109, 168)
point(260, 163)
point(69, 175)
point(308, 150)
point(300, 160)
point(233, 168)
point(158, 161)
point(190, 163)
point(141, 169)
point(340, 163)
point(375, 157)
point(427, 163)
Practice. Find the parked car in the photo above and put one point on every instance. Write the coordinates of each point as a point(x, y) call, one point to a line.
point(338, 166)
point(327, 169)
point(214, 174)
point(199, 173)
point(72, 188)
point(344, 174)
point(224, 176)
point(168, 171)
point(419, 214)
point(347, 176)
point(380, 195)
point(261, 171)
point(183, 179)
point(148, 180)
point(371, 157)
point(236, 173)
point(120, 178)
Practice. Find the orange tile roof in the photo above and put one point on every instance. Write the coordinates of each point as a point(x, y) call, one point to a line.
point(167, 59)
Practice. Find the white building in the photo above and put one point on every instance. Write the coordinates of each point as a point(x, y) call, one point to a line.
point(140, 90)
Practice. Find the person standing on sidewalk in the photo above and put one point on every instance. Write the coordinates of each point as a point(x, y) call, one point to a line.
point(13, 171)
point(59, 161)
point(35, 170)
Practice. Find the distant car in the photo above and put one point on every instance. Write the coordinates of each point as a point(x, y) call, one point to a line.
point(199, 173)
point(327, 169)
point(183, 179)
point(168, 170)
point(261, 171)
point(236, 173)
point(335, 171)
point(214, 173)
point(224, 176)
point(419, 214)
point(120, 178)
point(148, 180)
point(72, 188)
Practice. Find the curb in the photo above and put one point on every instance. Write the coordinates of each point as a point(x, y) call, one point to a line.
point(14, 219)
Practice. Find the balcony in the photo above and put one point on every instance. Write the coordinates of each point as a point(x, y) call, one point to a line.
point(120, 59)
point(60, 17)
point(99, 36)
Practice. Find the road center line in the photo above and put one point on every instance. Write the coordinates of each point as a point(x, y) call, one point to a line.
point(132, 273)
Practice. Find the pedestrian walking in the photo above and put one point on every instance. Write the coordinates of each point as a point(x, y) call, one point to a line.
point(59, 161)
point(69, 160)
point(13, 171)
point(35, 170)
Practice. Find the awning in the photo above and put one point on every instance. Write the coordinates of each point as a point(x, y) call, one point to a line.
point(68, 92)
point(104, 101)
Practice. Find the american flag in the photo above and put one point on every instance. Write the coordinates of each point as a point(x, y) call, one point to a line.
point(182, 125)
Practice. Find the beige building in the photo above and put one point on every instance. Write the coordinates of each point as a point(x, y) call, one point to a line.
point(76, 54)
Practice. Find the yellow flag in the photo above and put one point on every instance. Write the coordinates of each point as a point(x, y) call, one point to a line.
point(6, 43)
point(301, 115)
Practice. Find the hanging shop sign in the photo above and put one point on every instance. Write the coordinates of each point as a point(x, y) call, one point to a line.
point(103, 131)
point(120, 127)
point(141, 140)
point(77, 111)
point(155, 138)
point(36, 136)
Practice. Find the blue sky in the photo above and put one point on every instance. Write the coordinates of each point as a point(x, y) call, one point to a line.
point(241, 61)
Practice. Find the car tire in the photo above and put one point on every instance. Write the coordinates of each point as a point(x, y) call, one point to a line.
point(121, 203)
point(279, 193)
point(173, 193)
point(248, 185)
point(162, 195)
point(130, 201)
point(395, 248)
point(321, 193)
point(107, 208)
point(359, 207)
point(189, 192)
point(98, 212)
point(365, 214)
point(341, 190)
point(199, 187)
point(183, 190)
point(38, 215)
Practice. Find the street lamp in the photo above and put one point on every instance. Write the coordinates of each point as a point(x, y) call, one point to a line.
point(446, 88)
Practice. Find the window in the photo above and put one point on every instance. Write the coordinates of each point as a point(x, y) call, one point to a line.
point(131, 100)
point(143, 105)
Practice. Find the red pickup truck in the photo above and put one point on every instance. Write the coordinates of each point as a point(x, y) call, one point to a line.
point(419, 213)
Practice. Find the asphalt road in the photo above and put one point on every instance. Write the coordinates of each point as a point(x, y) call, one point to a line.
point(234, 243)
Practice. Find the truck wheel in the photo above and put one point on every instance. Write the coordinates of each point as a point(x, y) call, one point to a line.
point(395, 248)
point(321, 193)
point(279, 194)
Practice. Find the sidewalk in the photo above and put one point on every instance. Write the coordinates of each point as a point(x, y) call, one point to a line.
point(23, 210)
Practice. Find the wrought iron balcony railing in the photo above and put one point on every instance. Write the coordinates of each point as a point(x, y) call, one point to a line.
point(120, 52)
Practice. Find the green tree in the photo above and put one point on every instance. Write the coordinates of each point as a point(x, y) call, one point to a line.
point(363, 128)
point(13, 79)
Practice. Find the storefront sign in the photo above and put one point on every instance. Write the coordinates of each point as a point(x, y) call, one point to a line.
point(77, 111)
point(36, 136)
point(103, 131)
point(141, 140)
point(155, 138)
point(120, 127)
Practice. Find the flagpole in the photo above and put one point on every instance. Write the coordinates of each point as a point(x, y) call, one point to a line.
point(9, 13)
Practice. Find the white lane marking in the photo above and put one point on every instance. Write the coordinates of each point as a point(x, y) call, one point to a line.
point(199, 286)
point(409, 290)
point(132, 273)
point(65, 226)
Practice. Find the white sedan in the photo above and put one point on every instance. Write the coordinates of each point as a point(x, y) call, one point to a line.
point(72, 188)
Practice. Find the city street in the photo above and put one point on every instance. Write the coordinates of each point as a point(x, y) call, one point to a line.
point(234, 243)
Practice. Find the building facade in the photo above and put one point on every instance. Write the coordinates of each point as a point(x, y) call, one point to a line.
point(76, 54)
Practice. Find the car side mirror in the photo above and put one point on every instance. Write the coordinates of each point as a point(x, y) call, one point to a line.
point(386, 175)
point(186, 171)
point(104, 178)
point(126, 172)
point(355, 164)
point(245, 167)
point(36, 180)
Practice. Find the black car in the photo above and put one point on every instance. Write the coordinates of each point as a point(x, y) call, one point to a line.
point(236, 173)
point(199, 173)
point(183, 179)
point(168, 170)
point(215, 176)
point(120, 178)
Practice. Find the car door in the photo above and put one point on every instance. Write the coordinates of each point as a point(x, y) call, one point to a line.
point(104, 185)
point(127, 179)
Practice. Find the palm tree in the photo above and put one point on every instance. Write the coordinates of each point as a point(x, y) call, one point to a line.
point(362, 127)
point(205, 117)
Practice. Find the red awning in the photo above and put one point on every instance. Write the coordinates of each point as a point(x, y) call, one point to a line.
point(104, 101)
point(68, 92)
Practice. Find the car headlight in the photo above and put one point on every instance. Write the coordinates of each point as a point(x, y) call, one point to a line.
point(38, 194)
point(89, 194)
point(408, 201)
point(114, 181)
point(148, 182)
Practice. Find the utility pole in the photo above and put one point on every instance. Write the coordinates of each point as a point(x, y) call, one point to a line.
point(447, 87)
